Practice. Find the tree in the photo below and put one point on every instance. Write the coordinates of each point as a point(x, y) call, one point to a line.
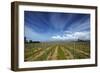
point(30, 41)
point(25, 40)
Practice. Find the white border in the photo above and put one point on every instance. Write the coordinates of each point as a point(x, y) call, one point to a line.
point(23, 64)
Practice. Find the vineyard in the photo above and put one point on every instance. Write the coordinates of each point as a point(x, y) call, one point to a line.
point(56, 51)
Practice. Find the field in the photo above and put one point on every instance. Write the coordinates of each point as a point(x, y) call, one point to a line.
point(56, 51)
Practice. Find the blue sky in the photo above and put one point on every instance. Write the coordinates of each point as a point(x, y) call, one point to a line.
point(50, 26)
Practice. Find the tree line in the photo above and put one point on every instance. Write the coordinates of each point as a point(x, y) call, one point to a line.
point(30, 41)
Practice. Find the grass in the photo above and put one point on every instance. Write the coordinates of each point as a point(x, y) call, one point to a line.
point(61, 54)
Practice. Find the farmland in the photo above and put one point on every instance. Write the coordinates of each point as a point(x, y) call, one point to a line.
point(56, 51)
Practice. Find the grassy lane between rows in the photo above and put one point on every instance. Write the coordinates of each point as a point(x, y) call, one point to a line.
point(61, 53)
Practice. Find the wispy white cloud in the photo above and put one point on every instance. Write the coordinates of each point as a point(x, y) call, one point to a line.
point(80, 25)
point(59, 22)
point(72, 36)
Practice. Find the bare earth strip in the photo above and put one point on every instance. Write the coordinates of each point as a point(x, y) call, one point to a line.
point(54, 56)
point(35, 53)
point(41, 53)
point(67, 53)
point(80, 51)
point(49, 57)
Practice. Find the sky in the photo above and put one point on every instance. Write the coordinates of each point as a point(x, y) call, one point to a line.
point(55, 26)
